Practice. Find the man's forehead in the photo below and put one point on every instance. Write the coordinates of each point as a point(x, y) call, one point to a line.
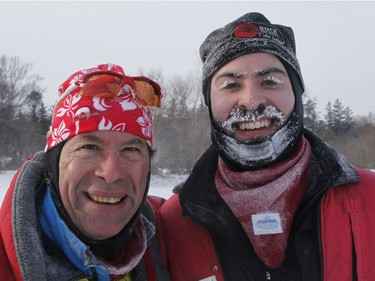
point(251, 64)
point(105, 136)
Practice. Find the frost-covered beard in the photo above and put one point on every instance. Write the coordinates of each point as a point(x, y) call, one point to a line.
point(242, 115)
point(257, 152)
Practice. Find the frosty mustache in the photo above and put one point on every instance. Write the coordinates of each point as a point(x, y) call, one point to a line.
point(237, 115)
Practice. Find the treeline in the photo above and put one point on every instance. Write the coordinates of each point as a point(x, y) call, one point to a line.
point(182, 128)
point(24, 120)
point(353, 136)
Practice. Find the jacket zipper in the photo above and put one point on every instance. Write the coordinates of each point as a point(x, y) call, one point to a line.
point(320, 243)
point(94, 274)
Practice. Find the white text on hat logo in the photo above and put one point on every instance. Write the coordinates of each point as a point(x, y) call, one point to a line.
point(271, 33)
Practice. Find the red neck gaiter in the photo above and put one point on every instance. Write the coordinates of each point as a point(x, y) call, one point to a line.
point(265, 201)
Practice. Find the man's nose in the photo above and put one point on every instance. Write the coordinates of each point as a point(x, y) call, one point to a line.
point(110, 168)
point(250, 98)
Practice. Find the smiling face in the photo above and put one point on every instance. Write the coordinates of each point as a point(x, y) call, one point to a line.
point(102, 180)
point(252, 97)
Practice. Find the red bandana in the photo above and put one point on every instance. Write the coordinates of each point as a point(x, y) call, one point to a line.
point(76, 114)
point(271, 193)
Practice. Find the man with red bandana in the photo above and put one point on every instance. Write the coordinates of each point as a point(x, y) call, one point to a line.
point(268, 200)
point(80, 210)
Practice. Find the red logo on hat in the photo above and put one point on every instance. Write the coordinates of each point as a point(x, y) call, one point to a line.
point(246, 30)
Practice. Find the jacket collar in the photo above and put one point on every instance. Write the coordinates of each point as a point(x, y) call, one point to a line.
point(201, 201)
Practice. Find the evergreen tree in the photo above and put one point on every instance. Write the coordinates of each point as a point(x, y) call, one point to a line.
point(328, 117)
point(338, 118)
point(310, 113)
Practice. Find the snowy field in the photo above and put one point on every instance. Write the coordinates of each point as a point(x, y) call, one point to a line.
point(160, 185)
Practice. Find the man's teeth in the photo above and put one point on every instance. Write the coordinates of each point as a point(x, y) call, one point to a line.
point(101, 199)
point(254, 125)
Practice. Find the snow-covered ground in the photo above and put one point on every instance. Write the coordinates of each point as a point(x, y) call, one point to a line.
point(160, 185)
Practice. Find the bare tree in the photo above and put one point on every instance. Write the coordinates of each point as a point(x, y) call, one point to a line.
point(16, 81)
point(180, 134)
point(20, 135)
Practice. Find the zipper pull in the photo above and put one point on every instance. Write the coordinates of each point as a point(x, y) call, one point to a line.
point(268, 276)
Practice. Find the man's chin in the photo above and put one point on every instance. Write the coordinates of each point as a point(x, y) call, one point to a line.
point(256, 140)
point(252, 140)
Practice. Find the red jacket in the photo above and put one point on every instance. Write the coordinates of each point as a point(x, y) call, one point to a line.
point(347, 225)
point(18, 219)
point(9, 266)
point(346, 220)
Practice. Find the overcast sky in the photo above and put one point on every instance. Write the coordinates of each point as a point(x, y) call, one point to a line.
point(335, 40)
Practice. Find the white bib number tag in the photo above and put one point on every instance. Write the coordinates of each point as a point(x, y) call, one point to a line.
point(211, 278)
point(267, 223)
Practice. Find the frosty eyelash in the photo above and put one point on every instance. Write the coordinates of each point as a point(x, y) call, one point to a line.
point(274, 79)
point(226, 84)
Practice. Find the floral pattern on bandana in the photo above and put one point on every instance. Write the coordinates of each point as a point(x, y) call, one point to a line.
point(76, 114)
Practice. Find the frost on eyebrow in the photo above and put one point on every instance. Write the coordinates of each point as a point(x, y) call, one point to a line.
point(232, 74)
point(239, 115)
point(240, 74)
point(268, 70)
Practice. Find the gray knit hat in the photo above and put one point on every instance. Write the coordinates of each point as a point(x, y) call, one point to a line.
point(251, 33)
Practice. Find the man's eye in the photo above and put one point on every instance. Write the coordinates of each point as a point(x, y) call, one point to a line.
point(90, 146)
point(88, 151)
point(229, 84)
point(134, 153)
point(131, 149)
point(272, 81)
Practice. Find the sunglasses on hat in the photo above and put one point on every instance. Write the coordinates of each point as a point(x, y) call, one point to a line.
point(110, 85)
